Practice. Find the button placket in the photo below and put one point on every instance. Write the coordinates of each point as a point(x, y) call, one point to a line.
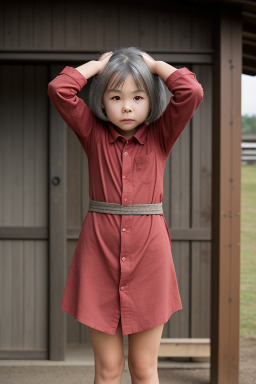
point(126, 235)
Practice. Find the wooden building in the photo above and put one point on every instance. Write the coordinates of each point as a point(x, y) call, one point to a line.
point(44, 177)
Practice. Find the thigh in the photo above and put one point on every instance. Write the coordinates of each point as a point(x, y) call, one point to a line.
point(108, 349)
point(144, 346)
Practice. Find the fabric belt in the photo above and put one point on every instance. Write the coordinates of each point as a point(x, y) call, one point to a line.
point(119, 209)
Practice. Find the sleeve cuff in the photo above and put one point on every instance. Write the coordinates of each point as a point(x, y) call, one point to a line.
point(75, 75)
point(177, 74)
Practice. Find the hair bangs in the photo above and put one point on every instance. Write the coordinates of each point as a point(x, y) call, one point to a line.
point(138, 78)
point(118, 79)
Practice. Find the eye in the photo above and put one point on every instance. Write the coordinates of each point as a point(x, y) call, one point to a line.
point(138, 97)
point(115, 98)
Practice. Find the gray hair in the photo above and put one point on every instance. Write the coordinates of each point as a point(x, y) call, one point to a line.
point(125, 61)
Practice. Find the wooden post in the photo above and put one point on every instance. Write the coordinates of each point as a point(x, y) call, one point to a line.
point(57, 234)
point(226, 179)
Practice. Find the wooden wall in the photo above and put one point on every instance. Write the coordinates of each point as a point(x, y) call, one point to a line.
point(84, 25)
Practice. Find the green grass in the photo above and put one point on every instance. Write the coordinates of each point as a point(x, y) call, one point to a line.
point(248, 252)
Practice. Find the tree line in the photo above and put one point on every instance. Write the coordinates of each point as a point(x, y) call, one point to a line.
point(248, 124)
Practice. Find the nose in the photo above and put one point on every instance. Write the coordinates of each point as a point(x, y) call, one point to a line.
point(126, 108)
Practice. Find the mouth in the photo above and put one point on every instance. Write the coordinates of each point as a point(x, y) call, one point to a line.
point(127, 120)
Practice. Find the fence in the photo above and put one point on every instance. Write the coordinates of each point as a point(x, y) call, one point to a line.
point(248, 146)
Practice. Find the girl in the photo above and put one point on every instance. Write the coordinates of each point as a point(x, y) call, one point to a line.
point(122, 279)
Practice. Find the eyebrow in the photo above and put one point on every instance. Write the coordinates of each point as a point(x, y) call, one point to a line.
point(118, 90)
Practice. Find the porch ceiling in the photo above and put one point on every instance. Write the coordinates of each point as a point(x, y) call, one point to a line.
point(248, 8)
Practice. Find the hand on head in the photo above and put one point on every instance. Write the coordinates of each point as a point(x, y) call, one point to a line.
point(104, 59)
point(150, 61)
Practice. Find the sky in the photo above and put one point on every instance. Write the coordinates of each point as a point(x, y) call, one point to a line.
point(248, 95)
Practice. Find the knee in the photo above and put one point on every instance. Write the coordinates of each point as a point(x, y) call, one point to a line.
point(110, 369)
point(142, 369)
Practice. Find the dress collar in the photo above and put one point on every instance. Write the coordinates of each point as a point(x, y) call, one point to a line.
point(140, 135)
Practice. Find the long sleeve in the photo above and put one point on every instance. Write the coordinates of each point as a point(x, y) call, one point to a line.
point(187, 96)
point(62, 91)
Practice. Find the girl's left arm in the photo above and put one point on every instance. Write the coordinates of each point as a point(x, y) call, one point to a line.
point(187, 96)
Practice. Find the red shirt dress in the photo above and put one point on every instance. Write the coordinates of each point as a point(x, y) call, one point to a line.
point(123, 265)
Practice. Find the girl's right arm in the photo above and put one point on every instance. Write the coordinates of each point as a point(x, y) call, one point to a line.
point(63, 91)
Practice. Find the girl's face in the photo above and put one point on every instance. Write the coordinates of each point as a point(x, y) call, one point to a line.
point(126, 107)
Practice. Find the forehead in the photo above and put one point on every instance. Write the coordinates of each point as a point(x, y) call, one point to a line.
point(118, 81)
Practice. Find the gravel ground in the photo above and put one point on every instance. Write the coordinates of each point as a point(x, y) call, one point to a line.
point(85, 375)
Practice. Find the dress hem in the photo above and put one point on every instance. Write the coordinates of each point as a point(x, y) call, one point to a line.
point(129, 332)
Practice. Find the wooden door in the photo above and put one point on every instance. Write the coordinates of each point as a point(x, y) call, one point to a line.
point(23, 212)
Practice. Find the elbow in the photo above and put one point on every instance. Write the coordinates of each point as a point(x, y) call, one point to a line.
point(198, 93)
point(52, 89)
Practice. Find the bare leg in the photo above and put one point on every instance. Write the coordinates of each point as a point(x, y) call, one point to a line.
point(143, 355)
point(108, 356)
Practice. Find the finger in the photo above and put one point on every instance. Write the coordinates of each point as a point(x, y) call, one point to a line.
point(105, 55)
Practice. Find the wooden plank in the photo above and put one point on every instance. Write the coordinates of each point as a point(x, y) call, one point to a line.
point(17, 295)
point(6, 144)
point(42, 26)
point(16, 159)
point(26, 24)
point(29, 294)
point(43, 56)
point(129, 26)
point(41, 147)
point(7, 282)
point(29, 149)
point(88, 14)
point(4, 138)
point(58, 31)
point(11, 24)
point(188, 347)
point(73, 24)
point(98, 31)
point(226, 162)
point(15, 233)
point(29, 354)
point(147, 28)
point(41, 295)
point(164, 28)
point(202, 28)
point(201, 207)
point(179, 208)
point(57, 230)
point(112, 26)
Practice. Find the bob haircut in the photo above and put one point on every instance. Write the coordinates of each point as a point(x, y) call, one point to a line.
point(125, 61)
